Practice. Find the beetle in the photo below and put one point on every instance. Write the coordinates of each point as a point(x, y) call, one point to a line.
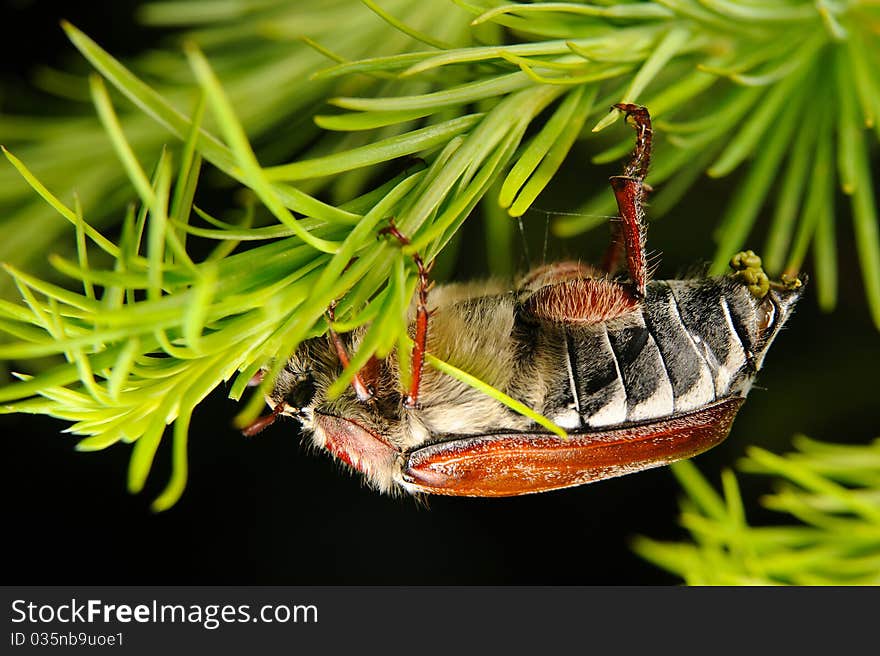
point(639, 373)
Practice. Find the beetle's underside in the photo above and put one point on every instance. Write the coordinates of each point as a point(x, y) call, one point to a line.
point(638, 373)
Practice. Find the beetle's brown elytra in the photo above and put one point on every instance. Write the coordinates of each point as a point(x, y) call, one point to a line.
point(639, 372)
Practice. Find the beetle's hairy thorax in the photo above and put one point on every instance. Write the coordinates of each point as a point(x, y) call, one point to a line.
point(689, 344)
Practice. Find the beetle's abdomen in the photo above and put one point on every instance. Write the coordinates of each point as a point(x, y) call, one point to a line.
point(686, 347)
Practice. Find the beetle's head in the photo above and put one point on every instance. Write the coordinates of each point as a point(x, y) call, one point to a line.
point(295, 391)
point(302, 383)
point(300, 389)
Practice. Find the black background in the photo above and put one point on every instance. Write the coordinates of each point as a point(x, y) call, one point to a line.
point(266, 510)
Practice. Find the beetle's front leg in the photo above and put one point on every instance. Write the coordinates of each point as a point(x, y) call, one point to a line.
point(411, 400)
point(629, 190)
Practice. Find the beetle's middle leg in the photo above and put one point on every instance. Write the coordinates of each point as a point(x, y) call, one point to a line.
point(363, 390)
point(629, 190)
point(411, 399)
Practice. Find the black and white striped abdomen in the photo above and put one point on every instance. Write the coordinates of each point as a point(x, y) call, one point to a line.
point(689, 345)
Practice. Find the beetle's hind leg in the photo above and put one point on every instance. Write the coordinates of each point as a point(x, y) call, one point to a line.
point(629, 190)
point(614, 253)
point(411, 399)
point(568, 293)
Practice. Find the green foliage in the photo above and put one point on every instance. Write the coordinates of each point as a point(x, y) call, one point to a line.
point(723, 87)
point(832, 491)
point(482, 100)
point(261, 51)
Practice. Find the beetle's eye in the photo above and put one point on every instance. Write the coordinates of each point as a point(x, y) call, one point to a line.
point(302, 393)
point(766, 315)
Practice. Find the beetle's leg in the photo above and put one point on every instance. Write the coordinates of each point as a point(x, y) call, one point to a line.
point(561, 293)
point(637, 167)
point(629, 190)
point(411, 400)
point(614, 252)
point(363, 391)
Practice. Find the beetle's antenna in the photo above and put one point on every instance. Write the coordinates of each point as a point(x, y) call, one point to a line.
point(262, 423)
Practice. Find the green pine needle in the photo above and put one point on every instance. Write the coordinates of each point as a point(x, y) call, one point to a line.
point(831, 493)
